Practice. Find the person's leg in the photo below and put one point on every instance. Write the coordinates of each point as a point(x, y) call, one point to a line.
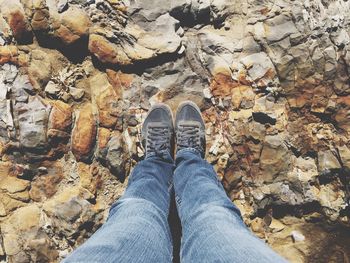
point(212, 228)
point(137, 229)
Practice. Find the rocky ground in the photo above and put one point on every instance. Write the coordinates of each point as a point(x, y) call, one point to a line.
point(270, 76)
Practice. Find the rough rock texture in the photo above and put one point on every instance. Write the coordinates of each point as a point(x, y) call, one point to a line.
point(271, 78)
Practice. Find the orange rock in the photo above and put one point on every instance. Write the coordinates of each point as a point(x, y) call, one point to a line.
point(60, 116)
point(86, 178)
point(15, 16)
point(8, 54)
point(119, 80)
point(102, 49)
point(222, 84)
point(103, 137)
point(84, 133)
point(107, 107)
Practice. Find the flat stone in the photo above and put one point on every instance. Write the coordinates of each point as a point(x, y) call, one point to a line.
point(52, 89)
point(13, 185)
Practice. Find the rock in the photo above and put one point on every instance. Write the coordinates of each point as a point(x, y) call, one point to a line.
point(11, 54)
point(62, 6)
point(297, 236)
point(276, 225)
point(52, 89)
point(305, 170)
point(107, 101)
point(327, 162)
point(84, 133)
point(32, 118)
point(13, 185)
point(69, 210)
point(274, 159)
point(279, 28)
point(60, 117)
point(260, 68)
point(331, 198)
point(40, 69)
point(14, 15)
point(22, 88)
point(86, 178)
point(243, 97)
point(115, 156)
point(77, 94)
point(44, 186)
point(344, 153)
point(23, 229)
point(222, 84)
point(38, 11)
point(159, 39)
point(73, 24)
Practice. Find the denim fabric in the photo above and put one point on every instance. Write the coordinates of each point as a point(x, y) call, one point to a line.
point(212, 228)
point(137, 229)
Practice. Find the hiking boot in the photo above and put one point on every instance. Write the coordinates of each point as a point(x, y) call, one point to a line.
point(158, 130)
point(189, 128)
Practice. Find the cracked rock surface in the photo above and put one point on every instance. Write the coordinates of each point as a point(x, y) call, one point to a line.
point(270, 76)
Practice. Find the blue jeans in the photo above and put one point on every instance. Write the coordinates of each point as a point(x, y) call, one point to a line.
point(137, 228)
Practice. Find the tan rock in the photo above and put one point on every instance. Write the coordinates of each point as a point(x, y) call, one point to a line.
point(23, 231)
point(11, 54)
point(38, 11)
point(15, 16)
point(2, 210)
point(11, 204)
point(86, 178)
point(75, 24)
point(243, 96)
point(103, 137)
point(327, 161)
point(44, 186)
point(119, 80)
point(342, 116)
point(106, 99)
point(344, 153)
point(136, 44)
point(105, 51)
point(60, 116)
point(84, 133)
point(14, 185)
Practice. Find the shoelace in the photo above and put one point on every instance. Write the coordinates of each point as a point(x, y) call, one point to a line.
point(188, 135)
point(157, 139)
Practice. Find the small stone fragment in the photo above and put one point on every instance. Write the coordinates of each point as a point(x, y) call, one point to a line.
point(297, 236)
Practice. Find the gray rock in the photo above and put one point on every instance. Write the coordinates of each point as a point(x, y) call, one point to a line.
point(32, 120)
point(52, 89)
point(327, 162)
point(259, 66)
point(116, 156)
point(62, 6)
